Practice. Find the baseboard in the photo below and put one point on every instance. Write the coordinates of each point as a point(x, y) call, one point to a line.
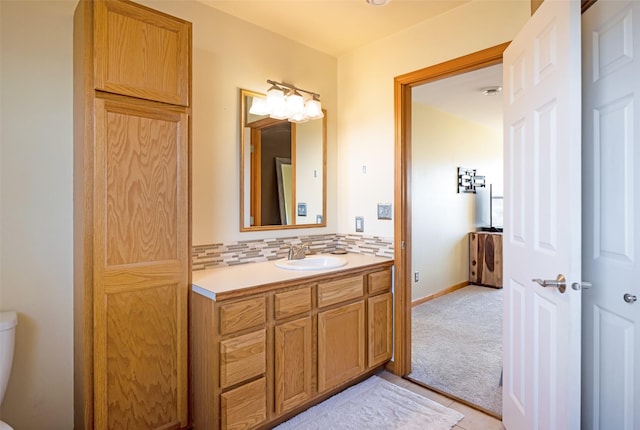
point(451, 289)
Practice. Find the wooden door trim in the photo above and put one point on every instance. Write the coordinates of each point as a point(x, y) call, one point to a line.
point(402, 196)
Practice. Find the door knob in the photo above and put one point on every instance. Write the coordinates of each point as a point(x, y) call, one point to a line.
point(560, 283)
point(629, 298)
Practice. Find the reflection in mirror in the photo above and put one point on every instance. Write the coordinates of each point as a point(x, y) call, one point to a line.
point(282, 171)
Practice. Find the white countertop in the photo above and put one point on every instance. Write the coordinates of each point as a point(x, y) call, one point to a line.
point(226, 279)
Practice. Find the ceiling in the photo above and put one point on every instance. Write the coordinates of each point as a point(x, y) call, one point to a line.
point(461, 95)
point(334, 26)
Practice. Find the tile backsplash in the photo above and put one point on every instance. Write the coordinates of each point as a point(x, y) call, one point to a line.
point(253, 251)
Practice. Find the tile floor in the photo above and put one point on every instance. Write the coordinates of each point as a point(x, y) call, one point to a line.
point(473, 419)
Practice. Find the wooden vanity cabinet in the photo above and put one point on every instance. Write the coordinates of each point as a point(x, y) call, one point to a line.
point(259, 358)
point(132, 256)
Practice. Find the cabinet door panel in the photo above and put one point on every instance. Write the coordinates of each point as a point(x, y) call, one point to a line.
point(293, 354)
point(380, 329)
point(142, 53)
point(242, 315)
point(379, 282)
point(294, 302)
point(140, 266)
point(245, 407)
point(341, 343)
point(340, 290)
point(242, 358)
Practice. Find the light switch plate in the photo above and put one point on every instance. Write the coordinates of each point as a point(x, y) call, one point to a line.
point(384, 211)
point(302, 209)
point(359, 224)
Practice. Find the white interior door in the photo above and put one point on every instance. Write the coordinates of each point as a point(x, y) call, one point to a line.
point(611, 195)
point(542, 234)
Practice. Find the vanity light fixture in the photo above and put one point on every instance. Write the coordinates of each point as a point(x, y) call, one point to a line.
point(284, 101)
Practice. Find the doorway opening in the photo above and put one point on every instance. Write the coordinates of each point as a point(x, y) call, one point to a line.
point(405, 244)
point(457, 178)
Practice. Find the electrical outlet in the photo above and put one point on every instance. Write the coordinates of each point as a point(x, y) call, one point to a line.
point(416, 276)
point(359, 224)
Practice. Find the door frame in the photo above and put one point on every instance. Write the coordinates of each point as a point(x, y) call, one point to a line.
point(403, 85)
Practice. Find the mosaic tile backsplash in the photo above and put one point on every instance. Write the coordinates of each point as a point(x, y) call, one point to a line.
point(253, 251)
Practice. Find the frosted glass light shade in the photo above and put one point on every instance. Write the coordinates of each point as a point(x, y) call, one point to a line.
point(313, 109)
point(259, 106)
point(295, 103)
point(276, 103)
point(275, 98)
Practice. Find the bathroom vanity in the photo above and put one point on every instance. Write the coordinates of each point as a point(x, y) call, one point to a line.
point(267, 342)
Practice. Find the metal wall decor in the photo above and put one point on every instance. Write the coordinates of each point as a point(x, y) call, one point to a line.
point(468, 180)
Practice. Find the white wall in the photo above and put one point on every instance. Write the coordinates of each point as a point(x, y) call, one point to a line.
point(36, 153)
point(229, 54)
point(37, 208)
point(441, 217)
point(37, 211)
point(365, 101)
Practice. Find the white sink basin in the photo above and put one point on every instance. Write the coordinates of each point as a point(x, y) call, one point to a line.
point(313, 262)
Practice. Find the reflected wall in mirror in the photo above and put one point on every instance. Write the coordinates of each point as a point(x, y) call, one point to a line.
point(282, 171)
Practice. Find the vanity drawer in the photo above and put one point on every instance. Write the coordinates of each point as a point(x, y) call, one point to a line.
point(242, 358)
point(242, 315)
point(293, 302)
point(379, 282)
point(244, 407)
point(340, 290)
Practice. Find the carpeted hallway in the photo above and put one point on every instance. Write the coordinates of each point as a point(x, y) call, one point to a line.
point(457, 345)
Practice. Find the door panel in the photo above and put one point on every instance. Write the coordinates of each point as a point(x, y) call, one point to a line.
point(141, 52)
point(611, 91)
point(542, 221)
point(140, 265)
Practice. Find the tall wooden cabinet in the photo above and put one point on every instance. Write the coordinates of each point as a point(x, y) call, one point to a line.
point(132, 69)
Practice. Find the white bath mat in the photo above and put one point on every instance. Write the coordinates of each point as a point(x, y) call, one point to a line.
point(375, 404)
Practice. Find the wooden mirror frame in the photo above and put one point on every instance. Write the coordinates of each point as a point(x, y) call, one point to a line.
point(254, 199)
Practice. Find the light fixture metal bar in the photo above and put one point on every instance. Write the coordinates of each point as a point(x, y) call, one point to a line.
point(291, 87)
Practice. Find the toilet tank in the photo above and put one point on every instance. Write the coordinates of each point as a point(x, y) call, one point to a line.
point(8, 322)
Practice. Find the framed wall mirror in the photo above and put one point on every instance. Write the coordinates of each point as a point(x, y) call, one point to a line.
point(283, 170)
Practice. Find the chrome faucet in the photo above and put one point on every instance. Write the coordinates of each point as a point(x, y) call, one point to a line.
point(297, 252)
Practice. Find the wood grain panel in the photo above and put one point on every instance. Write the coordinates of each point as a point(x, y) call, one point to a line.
point(379, 282)
point(142, 53)
point(293, 302)
point(341, 345)
point(293, 364)
point(142, 173)
point(242, 358)
point(242, 315)
point(340, 290)
point(245, 407)
point(141, 350)
point(379, 314)
point(485, 259)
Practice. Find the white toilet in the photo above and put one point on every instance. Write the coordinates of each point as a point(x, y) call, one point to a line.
point(8, 322)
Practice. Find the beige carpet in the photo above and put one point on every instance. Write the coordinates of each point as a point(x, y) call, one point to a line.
point(456, 343)
point(375, 404)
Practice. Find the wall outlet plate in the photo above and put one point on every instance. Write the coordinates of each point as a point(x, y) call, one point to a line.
point(359, 224)
point(302, 209)
point(384, 211)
